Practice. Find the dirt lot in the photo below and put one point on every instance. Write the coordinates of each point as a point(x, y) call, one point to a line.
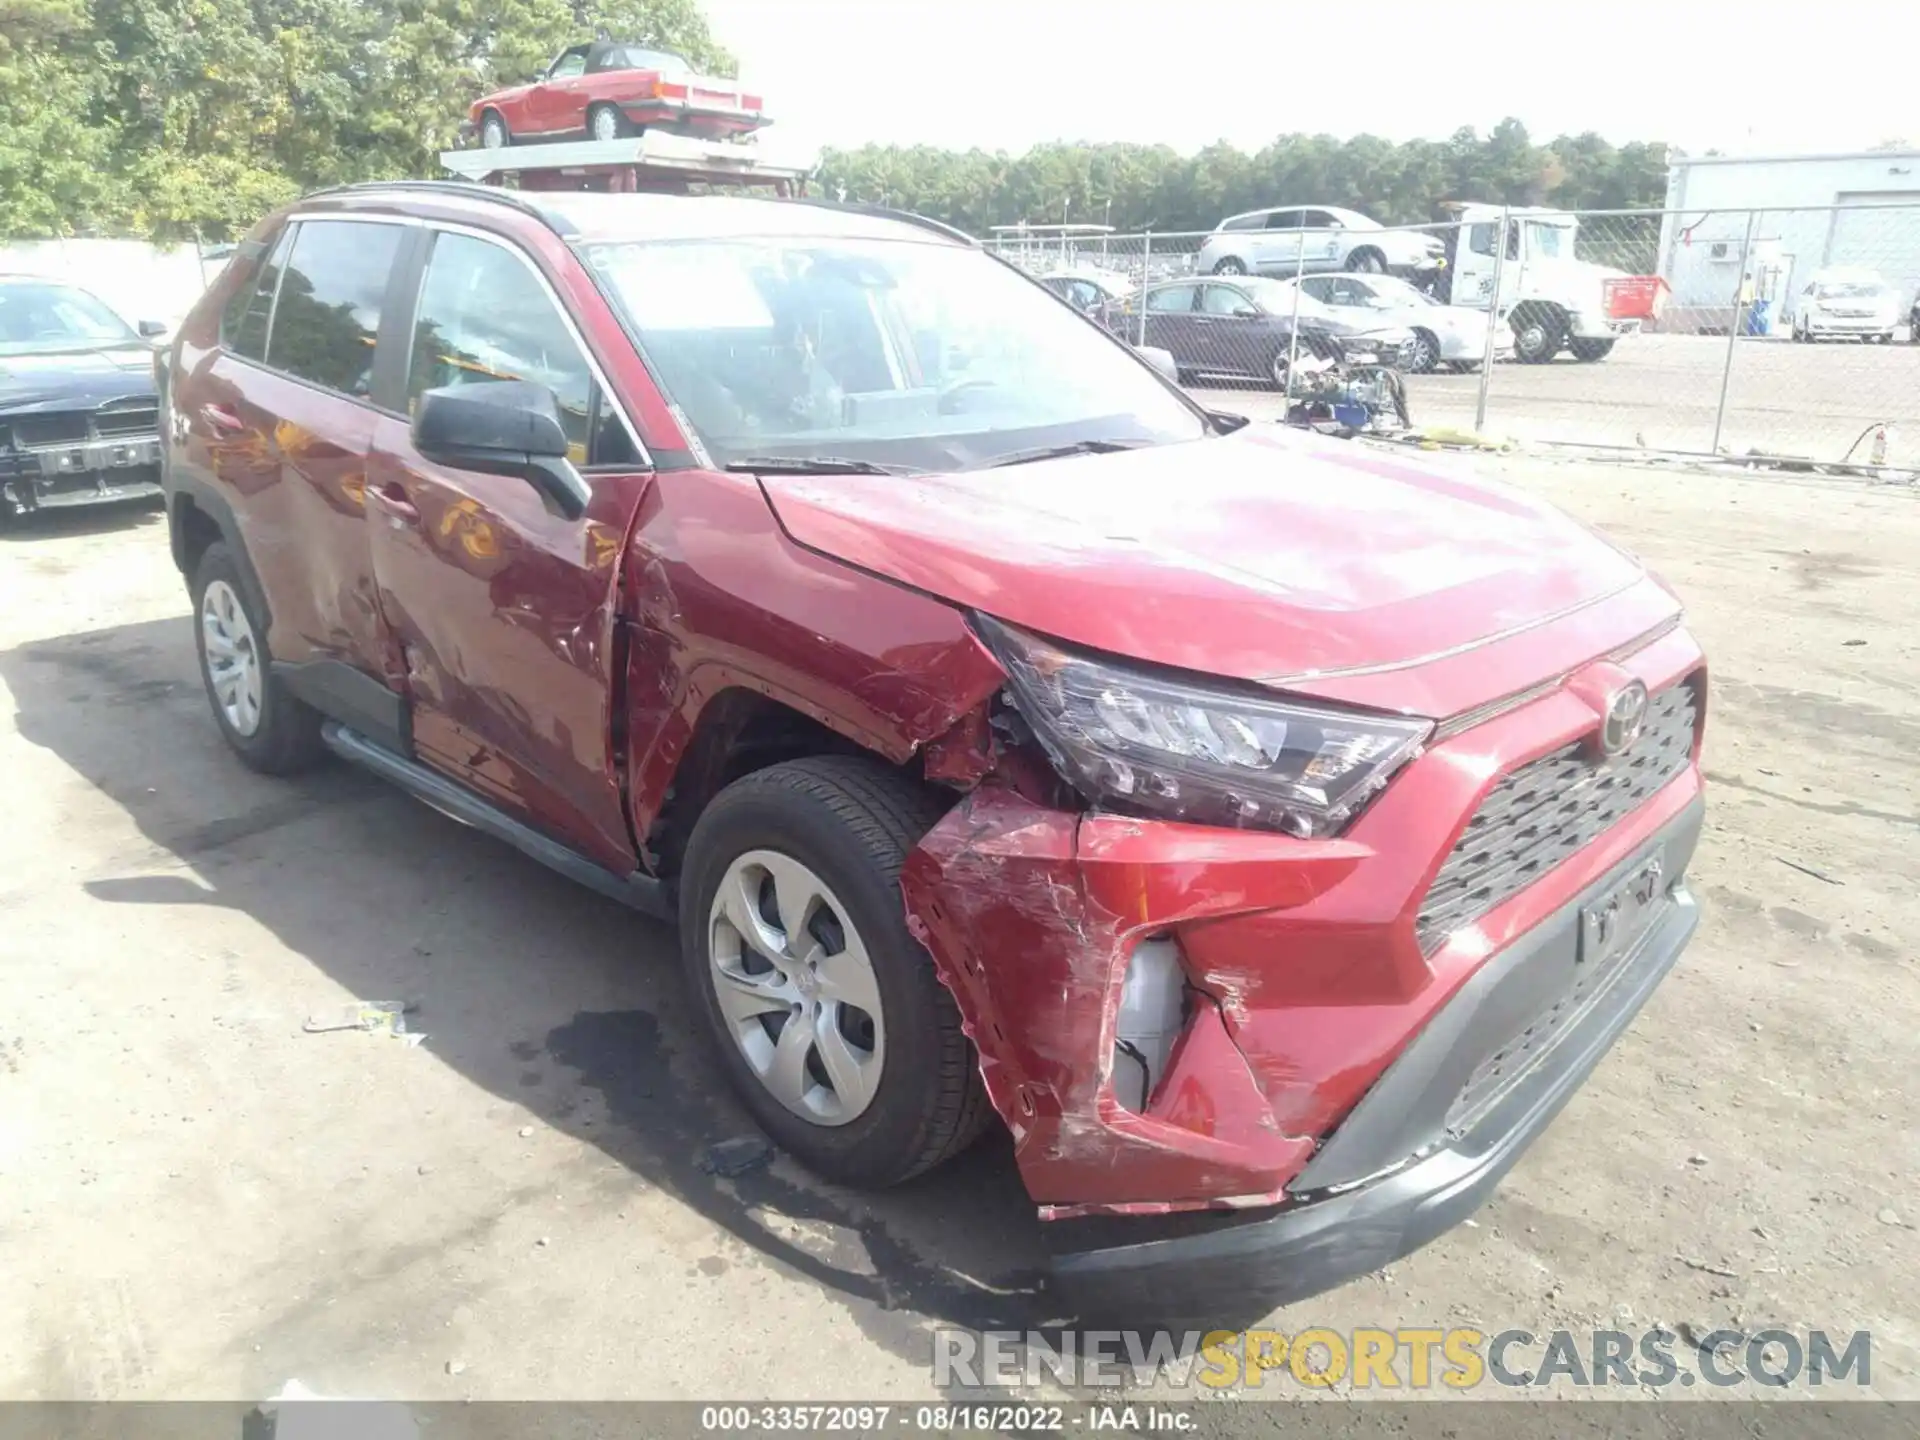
point(1662, 391)
point(203, 1200)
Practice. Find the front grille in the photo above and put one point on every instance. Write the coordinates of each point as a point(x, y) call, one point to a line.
point(1548, 810)
point(140, 419)
point(60, 428)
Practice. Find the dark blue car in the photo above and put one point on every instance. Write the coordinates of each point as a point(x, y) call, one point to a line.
point(79, 422)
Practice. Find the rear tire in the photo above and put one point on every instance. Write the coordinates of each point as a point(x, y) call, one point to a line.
point(1588, 351)
point(268, 729)
point(835, 831)
point(605, 122)
point(494, 134)
point(1230, 265)
point(1367, 262)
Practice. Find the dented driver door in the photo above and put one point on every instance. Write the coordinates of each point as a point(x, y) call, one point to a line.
point(503, 609)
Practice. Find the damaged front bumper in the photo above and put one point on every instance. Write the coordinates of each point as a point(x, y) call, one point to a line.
point(1356, 1209)
point(1305, 1123)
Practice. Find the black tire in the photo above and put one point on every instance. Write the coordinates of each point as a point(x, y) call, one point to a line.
point(287, 738)
point(1423, 356)
point(1230, 265)
point(852, 821)
point(1464, 367)
point(595, 114)
point(1537, 341)
point(1367, 261)
point(489, 122)
point(1913, 328)
point(1588, 351)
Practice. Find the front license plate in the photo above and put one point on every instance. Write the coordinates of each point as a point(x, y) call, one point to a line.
point(1613, 925)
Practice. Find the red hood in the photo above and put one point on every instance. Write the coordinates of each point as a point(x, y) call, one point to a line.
point(1270, 555)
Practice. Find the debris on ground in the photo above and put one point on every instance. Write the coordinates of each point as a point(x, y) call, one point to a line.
point(377, 1017)
point(735, 1157)
point(526, 1132)
point(1692, 1264)
point(1889, 1216)
point(1807, 870)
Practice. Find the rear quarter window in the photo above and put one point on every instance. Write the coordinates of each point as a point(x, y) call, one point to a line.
point(243, 323)
point(331, 294)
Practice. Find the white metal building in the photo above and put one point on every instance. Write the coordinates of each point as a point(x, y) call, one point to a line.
point(1814, 211)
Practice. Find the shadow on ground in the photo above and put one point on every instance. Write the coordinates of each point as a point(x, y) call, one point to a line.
point(539, 992)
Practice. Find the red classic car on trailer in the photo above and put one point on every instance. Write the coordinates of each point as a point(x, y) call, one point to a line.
point(608, 89)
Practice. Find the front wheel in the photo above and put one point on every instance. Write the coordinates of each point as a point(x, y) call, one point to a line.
point(1230, 265)
point(1589, 351)
point(493, 132)
point(829, 1019)
point(1423, 352)
point(1538, 339)
point(268, 728)
point(1367, 262)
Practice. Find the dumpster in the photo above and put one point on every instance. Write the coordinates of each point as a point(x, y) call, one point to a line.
point(1635, 297)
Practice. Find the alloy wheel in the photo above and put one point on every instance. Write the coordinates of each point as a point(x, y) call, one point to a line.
point(606, 123)
point(797, 988)
point(233, 657)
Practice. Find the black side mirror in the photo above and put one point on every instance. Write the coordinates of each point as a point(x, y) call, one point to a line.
point(502, 427)
point(151, 329)
point(1246, 312)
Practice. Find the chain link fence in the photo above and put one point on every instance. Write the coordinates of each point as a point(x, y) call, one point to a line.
point(1785, 333)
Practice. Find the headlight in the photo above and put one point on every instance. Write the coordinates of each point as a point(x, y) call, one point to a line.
point(1160, 744)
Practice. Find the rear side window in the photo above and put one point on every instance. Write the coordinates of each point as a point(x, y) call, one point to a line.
point(1284, 220)
point(329, 307)
point(483, 316)
point(243, 328)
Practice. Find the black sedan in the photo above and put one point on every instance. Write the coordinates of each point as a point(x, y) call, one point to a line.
point(79, 420)
point(1244, 328)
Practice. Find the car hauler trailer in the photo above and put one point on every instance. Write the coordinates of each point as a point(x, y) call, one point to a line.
point(654, 161)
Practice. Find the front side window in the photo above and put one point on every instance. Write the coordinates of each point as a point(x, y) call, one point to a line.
point(483, 316)
point(1224, 300)
point(1171, 300)
point(1547, 241)
point(1480, 239)
point(573, 63)
point(39, 317)
point(1283, 220)
point(913, 353)
point(328, 313)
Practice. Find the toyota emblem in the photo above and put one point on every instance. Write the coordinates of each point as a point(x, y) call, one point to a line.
point(1626, 712)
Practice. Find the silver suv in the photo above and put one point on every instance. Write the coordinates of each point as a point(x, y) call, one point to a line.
point(1287, 240)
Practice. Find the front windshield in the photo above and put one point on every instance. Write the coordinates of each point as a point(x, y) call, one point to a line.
point(1848, 290)
point(1547, 241)
point(1390, 292)
point(37, 318)
point(923, 355)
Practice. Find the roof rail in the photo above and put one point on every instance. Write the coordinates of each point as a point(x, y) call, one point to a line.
point(471, 189)
point(883, 212)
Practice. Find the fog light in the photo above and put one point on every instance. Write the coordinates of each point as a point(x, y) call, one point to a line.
point(1152, 1011)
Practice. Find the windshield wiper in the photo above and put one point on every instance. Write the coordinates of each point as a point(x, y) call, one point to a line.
point(1057, 452)
point(811, 465)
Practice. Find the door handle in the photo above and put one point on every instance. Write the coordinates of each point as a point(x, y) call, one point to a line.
point(394, 501)
point(222, 420)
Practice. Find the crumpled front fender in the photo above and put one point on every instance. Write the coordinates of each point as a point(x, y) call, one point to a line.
point(1031, 914)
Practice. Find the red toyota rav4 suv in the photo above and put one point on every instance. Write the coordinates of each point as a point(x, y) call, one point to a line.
point(1270, 832)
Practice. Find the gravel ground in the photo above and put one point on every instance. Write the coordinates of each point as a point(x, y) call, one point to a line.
point(203, 1200)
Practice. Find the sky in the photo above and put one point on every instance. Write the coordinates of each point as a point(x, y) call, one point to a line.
point(1005, 74)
